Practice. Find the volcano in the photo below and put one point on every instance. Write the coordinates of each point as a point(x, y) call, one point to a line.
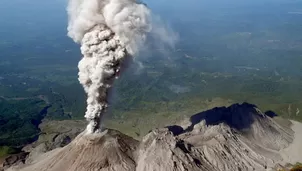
point(239, 137)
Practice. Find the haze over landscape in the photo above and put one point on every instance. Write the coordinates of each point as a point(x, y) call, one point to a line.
point(201, 55)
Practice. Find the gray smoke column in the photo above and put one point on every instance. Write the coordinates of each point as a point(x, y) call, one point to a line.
point(109, 32)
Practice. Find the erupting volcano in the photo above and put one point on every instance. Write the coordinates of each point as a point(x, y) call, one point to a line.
point(109, 31)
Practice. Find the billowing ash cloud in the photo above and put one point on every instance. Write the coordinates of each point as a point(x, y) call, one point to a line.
point(109, 31)
point(129, 20)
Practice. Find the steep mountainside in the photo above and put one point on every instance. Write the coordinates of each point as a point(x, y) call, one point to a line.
point(239, 137)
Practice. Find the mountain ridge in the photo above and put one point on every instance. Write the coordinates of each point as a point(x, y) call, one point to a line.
point(239, 137)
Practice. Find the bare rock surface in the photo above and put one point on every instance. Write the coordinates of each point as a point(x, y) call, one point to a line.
point(110, 150)
point(239, 137)
point(55, 134)
point(293, 153)
point(14, 160)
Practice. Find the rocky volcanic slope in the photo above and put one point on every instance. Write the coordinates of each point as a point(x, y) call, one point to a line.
point(239, 137)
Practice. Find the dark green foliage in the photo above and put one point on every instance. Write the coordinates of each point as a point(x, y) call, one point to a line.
point(5, 150)
point(19, 120)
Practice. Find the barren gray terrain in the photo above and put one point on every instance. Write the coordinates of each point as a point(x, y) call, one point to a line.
point(239, 137)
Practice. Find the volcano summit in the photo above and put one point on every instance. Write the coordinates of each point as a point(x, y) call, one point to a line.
point(239, 137)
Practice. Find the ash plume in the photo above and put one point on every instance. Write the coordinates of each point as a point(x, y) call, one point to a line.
point(109, 32)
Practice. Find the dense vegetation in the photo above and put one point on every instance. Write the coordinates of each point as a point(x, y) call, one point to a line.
point(297, 167)
point(19, 120)
point(4, 150)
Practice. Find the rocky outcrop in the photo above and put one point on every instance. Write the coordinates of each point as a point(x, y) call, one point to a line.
point(55, 134)
point(110, 150)
point(239, 137)
point(14, 160)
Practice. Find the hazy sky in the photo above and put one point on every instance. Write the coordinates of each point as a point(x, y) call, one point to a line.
point(23, 21)
point(25, 16)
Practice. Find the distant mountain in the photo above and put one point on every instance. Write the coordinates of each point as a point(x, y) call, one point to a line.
point(239, 137)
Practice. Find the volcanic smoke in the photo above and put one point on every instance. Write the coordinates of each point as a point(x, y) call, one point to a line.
point(109, 32)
